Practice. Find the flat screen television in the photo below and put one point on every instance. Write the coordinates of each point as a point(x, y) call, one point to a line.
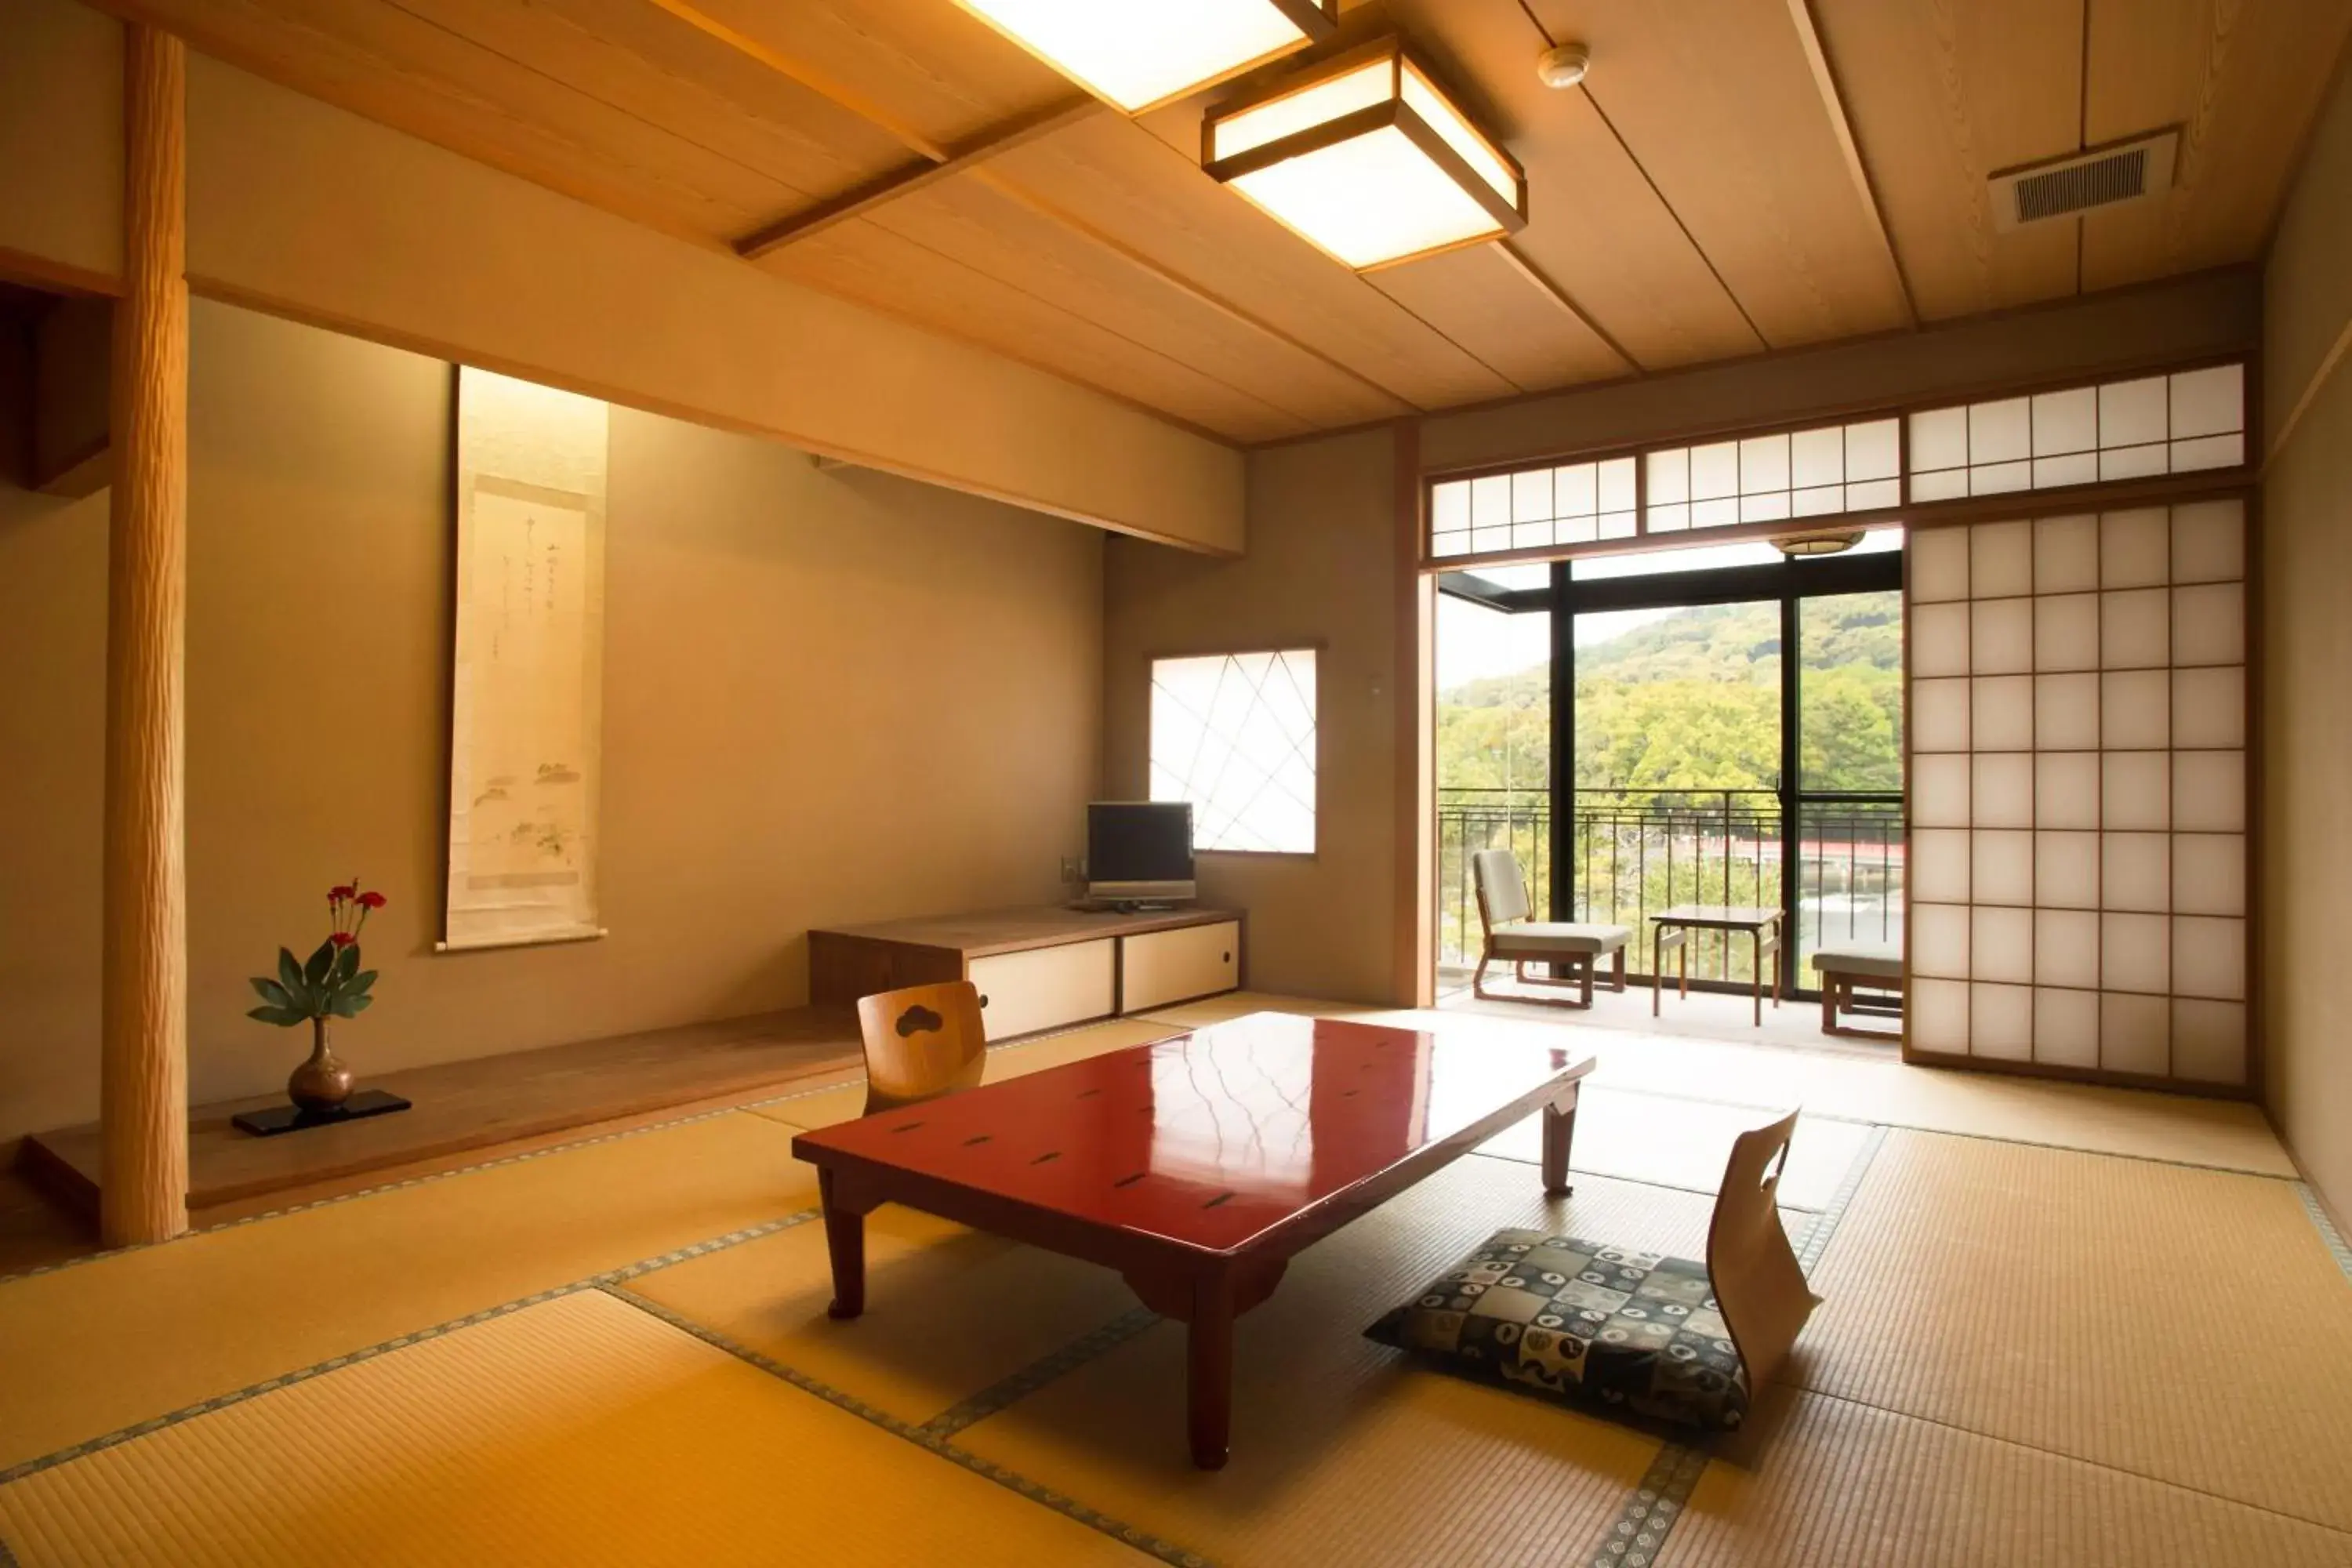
point(1140, 852)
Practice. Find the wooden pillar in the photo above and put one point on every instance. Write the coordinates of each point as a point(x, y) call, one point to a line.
point(143, 1078)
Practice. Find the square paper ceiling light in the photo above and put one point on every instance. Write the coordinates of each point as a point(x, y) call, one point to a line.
point(1366, 157)
point(1139, 54)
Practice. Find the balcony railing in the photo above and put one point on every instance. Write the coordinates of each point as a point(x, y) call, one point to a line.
point(1629, 853)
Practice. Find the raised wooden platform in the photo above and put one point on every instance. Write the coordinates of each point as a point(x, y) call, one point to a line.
point(461, 1105)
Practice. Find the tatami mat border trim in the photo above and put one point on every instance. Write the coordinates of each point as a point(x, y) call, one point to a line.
point(2328, 1231)
point(1006, 1391)
point(1817, 1239)
point(1641, 1527)
point(503, 1160)
point(1651, 1509)
point(220, 1401)
point(922, 1437)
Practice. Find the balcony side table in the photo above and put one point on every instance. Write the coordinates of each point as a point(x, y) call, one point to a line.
point(1672, 928)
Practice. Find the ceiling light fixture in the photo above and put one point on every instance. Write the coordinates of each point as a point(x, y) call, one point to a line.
point(1563, 66)
point(1139, 56)
point(1364, 155)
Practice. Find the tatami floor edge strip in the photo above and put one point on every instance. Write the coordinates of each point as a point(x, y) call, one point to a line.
point(219, 1402)
point(1650, 1511)
point(1648, 1516)
point(1003, 1393)
point(503, 1160)
point(2328, 1231)
point(922, 1437)
point(1817, 1239)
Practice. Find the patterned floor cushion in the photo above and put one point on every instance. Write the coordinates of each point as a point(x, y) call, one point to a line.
point(1583, 1321)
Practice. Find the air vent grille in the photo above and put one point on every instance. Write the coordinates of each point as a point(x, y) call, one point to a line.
point(2102, 177)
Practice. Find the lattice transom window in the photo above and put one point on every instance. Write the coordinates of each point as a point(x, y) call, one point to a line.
point(1764, 478)
point(2184, 423)
point(1534, 508)
point(1235, 734)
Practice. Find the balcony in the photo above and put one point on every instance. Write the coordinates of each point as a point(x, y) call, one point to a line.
point(1628, 853)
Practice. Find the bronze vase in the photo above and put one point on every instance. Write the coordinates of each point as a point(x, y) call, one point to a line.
point(321, 1084)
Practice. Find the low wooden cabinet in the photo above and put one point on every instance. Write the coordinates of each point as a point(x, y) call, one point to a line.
point(1037, 968)
point(1160, 967)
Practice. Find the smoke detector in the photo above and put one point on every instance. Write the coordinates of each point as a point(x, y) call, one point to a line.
point(1563, 66)
point(2060, 187)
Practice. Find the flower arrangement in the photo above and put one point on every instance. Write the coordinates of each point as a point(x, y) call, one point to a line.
point(330, 984)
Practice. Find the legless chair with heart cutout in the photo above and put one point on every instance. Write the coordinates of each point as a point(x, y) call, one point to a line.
point(921, 1041)
point(1760, 1287)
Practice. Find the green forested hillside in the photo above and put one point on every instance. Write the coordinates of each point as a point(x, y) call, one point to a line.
point(1693, 701)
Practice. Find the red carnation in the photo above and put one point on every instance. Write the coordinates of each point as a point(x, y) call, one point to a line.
point(337, 895)
point(343, 939)
point(370, 900)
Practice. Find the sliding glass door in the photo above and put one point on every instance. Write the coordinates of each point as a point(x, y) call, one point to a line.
point(1725, 727)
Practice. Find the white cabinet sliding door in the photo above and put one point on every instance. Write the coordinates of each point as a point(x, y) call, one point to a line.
point(2079, 793)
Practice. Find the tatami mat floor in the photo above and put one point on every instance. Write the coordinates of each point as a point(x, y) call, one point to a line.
point(2059, 1326)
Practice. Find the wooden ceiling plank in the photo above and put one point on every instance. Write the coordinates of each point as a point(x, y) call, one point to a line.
point(1542, 282)
point(937, 66)
point(573, 152)
point(1155, 200)
point(1716, 102)
point(1487, 299)
point(1940, 97)
point(870, 265)
point(643, 61)
point(1182, 283)
point(395, 30)
point(809, 75)
point(1597, 227)
point(1817, 61)
point(799, 70)
point(908, 178)
point(996, 232)
point(2243, 82)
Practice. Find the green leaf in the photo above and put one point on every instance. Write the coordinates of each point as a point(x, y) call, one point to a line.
point(347, 960)
point(314, 974)
point(269, 991)
point(360, 1004)
point(290, 975)
point(358, 984)
point(284, 1018)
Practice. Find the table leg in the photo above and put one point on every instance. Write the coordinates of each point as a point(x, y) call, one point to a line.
point(1757, 936)
point(1208, 1371)
point(845, 1240)
point(1657, 968)
point(1559, 1132)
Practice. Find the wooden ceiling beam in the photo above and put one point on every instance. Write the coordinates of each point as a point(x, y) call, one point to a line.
point(877, 193)
point(1816, 60)
point(906, 180)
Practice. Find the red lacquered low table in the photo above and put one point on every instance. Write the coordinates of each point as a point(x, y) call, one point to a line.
point(1198, 1166)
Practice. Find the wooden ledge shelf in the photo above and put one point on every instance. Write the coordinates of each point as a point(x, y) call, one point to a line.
point(468, 1105)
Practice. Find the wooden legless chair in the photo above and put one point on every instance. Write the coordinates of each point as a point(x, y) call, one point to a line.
point(921, 1041)
point(1759, 1289)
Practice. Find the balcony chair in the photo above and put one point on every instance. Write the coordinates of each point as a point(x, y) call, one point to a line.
point(1502, 910)
point(921, 1041)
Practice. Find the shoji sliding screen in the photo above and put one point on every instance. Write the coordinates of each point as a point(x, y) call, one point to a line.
point(2079, 799)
